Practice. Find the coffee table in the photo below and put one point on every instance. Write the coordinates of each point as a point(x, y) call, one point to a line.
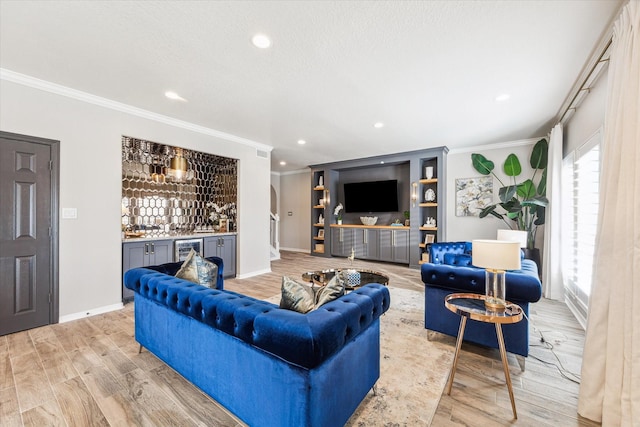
point(471, 306)
point(322, 277)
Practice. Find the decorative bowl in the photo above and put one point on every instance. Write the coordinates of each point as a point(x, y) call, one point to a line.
point(369, 220)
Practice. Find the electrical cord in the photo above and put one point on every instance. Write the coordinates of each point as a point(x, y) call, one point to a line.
point(565, 373)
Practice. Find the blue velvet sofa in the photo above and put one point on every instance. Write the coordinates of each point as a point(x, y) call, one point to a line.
point(268, 366)
point(450, 271)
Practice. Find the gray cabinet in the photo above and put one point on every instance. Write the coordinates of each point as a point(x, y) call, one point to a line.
point(142, 254)
point(223, 247)
point(342, 241)
point(366, 243)
point(394, 245)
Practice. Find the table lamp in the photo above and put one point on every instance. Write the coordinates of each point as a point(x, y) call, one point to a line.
point(495, 256)
point(519, 236)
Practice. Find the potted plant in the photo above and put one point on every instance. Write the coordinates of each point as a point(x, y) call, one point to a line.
point(522, 205)
point(406, 218)
point(338, 213)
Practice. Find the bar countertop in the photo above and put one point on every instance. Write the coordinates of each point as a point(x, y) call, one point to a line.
point(151, 236)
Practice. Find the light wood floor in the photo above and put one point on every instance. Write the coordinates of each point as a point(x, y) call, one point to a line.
point(89, 372)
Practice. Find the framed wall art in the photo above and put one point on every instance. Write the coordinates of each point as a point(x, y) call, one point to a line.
point(473, 195)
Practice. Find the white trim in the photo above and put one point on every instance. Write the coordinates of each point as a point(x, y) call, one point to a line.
point(93, 312)
point(496, 146)
point(576, 313)
point(306, 251)
point(295, 172)
point(46, 86)
point(253, 274)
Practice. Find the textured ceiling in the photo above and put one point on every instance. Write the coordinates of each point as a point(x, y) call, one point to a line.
point(430, 71)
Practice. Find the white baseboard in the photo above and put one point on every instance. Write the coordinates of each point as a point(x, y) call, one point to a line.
point(92, 312)
point(253, 273)
point(306, 251)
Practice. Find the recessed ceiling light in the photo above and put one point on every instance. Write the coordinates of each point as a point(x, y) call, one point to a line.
point(261, 41)
point(382, 162)
point(174, 96)
point(302, 141)
point(283, 163)
point(378, 125)
point(503, 97)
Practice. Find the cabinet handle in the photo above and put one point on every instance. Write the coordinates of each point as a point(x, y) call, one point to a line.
point(153, 248)
point(341, 236)
point(146, 249)
point(393, 238)
point(364, 237)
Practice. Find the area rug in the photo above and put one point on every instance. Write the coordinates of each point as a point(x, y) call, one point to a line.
point(413, 370)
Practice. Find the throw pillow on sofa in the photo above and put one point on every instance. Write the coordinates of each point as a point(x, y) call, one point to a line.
point(198, 270)
point(296, 296)
point(332, 290)
point(303, 299)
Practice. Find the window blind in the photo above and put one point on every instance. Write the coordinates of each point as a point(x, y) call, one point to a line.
point(581, 183)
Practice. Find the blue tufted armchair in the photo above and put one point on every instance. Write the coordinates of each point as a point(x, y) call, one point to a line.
point(450, 271)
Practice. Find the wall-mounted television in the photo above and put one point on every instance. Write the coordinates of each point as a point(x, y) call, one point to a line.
point(371, 196)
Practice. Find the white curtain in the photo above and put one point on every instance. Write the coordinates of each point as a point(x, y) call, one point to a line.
point(552, 286)
point(610, 388)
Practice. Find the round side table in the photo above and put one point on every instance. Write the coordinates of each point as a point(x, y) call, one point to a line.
point(471, 306)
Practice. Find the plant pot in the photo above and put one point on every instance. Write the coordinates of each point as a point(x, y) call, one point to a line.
point(534, 255)
point(339, 222)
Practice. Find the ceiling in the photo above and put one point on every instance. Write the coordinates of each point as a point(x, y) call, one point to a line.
point(429, 70)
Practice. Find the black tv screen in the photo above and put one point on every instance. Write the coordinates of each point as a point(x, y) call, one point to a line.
point(371, 196)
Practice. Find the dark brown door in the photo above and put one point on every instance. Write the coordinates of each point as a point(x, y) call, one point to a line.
point(26, 232)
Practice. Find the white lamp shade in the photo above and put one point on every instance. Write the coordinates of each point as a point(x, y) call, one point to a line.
point(496, 254)
point(514, 236)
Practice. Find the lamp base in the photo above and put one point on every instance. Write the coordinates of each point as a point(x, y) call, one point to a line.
point(494, 304)
point(495, 290)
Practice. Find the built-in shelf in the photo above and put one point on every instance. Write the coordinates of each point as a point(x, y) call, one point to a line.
point(319, 238)
point(421, 176)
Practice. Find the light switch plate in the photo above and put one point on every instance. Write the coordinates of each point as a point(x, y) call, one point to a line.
point(69, 213)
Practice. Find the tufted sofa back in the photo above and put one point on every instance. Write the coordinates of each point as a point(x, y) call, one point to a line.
point(437, 251)
point(303, 339)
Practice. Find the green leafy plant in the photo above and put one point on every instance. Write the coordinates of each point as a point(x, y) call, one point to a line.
point(522, 205)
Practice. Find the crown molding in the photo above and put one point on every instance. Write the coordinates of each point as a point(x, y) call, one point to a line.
point(293, 172)
point(78, 95)
point(496, 146)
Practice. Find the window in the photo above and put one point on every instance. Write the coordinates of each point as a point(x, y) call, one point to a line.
point(581, 182)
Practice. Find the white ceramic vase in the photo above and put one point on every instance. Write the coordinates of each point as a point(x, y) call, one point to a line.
point(428, 172)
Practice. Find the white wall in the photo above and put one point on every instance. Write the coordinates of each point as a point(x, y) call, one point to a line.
point(459, 166)
point(295, 191)
point(588, 118)
point(90, 180)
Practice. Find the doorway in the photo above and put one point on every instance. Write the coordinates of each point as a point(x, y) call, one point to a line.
point(29, 176)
